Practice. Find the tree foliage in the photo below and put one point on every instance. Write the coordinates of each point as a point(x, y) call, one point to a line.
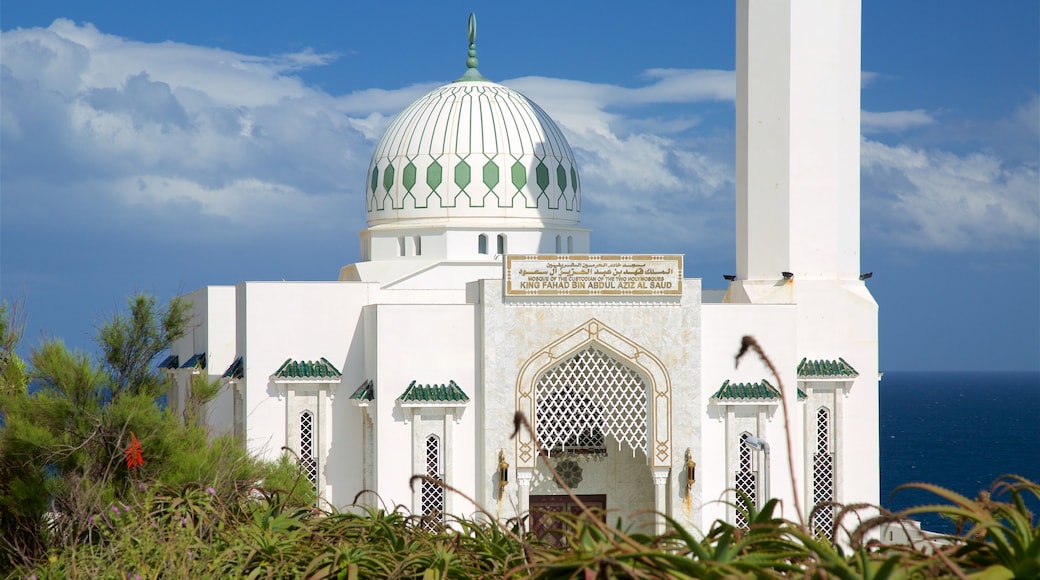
point(64, 441)
point(130, 343)
point(13, 375)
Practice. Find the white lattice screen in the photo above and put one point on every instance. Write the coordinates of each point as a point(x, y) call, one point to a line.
point(586, 397)
point(746, 481)
point(432, 494)
point(308, 451)
point(823, 474)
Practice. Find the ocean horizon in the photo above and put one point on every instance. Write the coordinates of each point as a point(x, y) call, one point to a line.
point(958, 430)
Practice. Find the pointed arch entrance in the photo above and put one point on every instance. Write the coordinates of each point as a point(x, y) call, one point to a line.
point(590, 386)
point(588, 397)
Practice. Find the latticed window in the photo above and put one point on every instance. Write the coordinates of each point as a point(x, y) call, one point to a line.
point(586, 398)
point(746, 481)
point(308, 449)
point(823, 474)
point(432, 498)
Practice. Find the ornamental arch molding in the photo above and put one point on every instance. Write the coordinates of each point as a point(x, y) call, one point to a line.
point(595, 334)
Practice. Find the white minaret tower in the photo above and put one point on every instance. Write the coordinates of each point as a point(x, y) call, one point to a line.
point(798, 220)
point(798, 85)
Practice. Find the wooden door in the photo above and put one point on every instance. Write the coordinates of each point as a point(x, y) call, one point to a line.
point(545, 509)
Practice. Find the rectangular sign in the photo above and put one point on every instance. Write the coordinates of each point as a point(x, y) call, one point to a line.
point(593, 275)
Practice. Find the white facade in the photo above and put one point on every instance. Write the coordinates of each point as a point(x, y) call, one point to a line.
point(417, 358)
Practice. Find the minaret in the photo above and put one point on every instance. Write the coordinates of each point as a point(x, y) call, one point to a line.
point(798, 87)
point(798, 219)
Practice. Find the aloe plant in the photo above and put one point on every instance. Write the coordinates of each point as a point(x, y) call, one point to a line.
point(995, 539)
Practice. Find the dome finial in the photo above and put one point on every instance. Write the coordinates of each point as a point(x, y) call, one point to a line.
point(472, 74)
point(471, 62)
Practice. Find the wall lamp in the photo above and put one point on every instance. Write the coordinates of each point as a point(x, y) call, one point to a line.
point(730, 277)
point(759, 444)
point(691, 470)
point(866, 275)
point(503, 470)
point(787, 275)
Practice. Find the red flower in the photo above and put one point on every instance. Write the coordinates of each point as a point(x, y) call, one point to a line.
point(134, 458)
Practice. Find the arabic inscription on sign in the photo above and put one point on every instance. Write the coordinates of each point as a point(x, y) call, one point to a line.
point(595, 275)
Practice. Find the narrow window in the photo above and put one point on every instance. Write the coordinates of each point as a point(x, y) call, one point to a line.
point(400, 245)
point(746, 482)
point(238, 402)
point(308, 451)
point(418, 245)
point(823, 475)
point(501, 244)
point(432, 501)
point(559, 244)
point(173, 394)
point(368, 435)
point(570, 244)
point(482, 244)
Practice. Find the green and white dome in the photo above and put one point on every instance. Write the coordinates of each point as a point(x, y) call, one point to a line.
point(473, 151)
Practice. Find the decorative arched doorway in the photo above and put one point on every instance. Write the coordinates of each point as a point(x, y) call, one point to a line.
point(590, 388)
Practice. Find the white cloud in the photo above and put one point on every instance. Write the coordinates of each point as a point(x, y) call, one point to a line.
point(938, 200)
point(245, 200)
point(635, 174)
point(114, 121)
point(1027, 116)
point(95, 115)
point(303, 59)
point(384, 101)
point(686, 86)
point(893, 121)
point(867, 78)
point(102, 123)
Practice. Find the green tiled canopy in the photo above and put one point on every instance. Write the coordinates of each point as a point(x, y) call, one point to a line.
point(197, 361)
point(366, 392)
point(236, 370)
point(319, 369)
point(746, 392)
point(826, 369)
point(169, 363)
point(449, 393)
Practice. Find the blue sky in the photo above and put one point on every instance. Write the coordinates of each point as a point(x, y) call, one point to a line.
point(162, 147)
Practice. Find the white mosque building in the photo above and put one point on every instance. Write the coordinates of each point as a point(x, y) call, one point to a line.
point(477, 296)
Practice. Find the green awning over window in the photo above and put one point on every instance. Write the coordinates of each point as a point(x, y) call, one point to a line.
point(307, 369)
point(762, 391)
point(197, 361)
point(826, 369)
point(449, 393)
point(366, 392)
point(236, 370)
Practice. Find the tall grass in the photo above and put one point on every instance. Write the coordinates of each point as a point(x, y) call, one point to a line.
point(189, 532)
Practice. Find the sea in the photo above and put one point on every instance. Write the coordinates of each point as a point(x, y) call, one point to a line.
point(959, 430)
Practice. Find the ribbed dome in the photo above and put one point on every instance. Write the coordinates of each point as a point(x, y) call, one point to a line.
point(470, 151)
